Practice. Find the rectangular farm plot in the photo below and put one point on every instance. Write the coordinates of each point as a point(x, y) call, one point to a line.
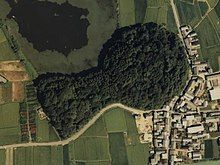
point(23, 156)
point(189, 13)
point(5, 92)
point(45, 155)
point(137, 152)
point(117, 149)
point(127, 12)
point(115, 120)
point(209, 41)
point(6, 52)
point(42, 131)
point(90, 149)
point(212, 149)
point(9, 125)
point(2, 157)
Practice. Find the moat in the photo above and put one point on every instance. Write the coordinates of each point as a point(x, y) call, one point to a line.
point(51, 26)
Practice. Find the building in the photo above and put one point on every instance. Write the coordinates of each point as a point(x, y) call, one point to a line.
point(195, 128)
point(213, 83)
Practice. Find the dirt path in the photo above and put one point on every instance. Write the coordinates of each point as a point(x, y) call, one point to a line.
point(9, 156)
point(77, 134)
point(207, 13)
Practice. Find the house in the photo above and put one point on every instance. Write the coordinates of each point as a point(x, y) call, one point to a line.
point(195, 128)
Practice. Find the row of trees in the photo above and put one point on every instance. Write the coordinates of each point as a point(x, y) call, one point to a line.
point(142, 66)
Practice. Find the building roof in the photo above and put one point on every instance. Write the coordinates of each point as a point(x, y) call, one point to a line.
point(215, 93)
point(195, 129)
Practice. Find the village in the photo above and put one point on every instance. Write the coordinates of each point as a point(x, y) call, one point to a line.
point(177, 133)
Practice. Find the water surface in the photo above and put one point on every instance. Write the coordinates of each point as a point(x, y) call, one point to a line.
point(51, 26)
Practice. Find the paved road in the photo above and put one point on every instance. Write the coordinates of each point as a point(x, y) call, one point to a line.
point(77, 134)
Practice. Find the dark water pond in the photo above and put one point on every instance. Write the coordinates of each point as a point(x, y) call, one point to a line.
point(51, 26)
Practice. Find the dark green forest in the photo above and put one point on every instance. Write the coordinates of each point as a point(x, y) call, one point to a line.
point(142, 66)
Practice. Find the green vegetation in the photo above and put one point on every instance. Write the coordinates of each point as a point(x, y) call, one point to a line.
point(5, 49)
point(9, 126)
point(118, 149)
point(189, 13)
point(142, 66)
point(102, 143)
point(160, 12)
point(203, 7)
point(2, 156)
point(126, 12)
point(140, 10)
point(209, 38)
point(45, 132)
point(39, 155)
point(212, 3)
point(212, 149)
point(217, 9)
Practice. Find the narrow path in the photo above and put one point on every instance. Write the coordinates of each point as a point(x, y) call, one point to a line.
point(78, 134)
point(176, 17)
point(207, 13)
point(9, 156)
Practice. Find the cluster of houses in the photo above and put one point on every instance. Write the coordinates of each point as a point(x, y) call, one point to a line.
point(191, 40)
point(161, 135)
point(177, 133)
point(187, 139)
point(194, 118)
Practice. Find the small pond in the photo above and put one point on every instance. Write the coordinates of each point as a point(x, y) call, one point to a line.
point(51, 26)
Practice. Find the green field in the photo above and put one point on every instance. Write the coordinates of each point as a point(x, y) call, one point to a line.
point(118, 149)
point(160, 11)
point(103, 143)
point(113, 132)
point(212, 149)
point(189, 13)
point(9, 126)
point(6, 52)
point(126, 12)
point(2, 157)
point(203, 7)
point(45, 131)
point(39, 155)
point(140, 10)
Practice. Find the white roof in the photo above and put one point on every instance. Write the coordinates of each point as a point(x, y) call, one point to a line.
point(215, 93)
point(195, 129)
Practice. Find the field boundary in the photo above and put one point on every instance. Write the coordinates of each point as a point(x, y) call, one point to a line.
point(79, 133)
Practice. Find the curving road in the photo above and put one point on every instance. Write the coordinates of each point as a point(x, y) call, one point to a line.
point(77, 134)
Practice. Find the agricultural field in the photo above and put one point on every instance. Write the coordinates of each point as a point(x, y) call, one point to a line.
point(39, 155)
point(5, 50)
point(126, 12)
point(113, 132)
point(5, 92)
point(189, 13)
point(160, 11)
point(2, 156)
point(44, 131)
point(9, 126)
point(212, 149)
point(204, 18)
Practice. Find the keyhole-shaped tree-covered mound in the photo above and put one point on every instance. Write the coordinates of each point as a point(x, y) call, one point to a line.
point(141, 66)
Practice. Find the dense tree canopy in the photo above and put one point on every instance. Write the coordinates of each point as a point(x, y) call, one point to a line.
point(142, 66)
